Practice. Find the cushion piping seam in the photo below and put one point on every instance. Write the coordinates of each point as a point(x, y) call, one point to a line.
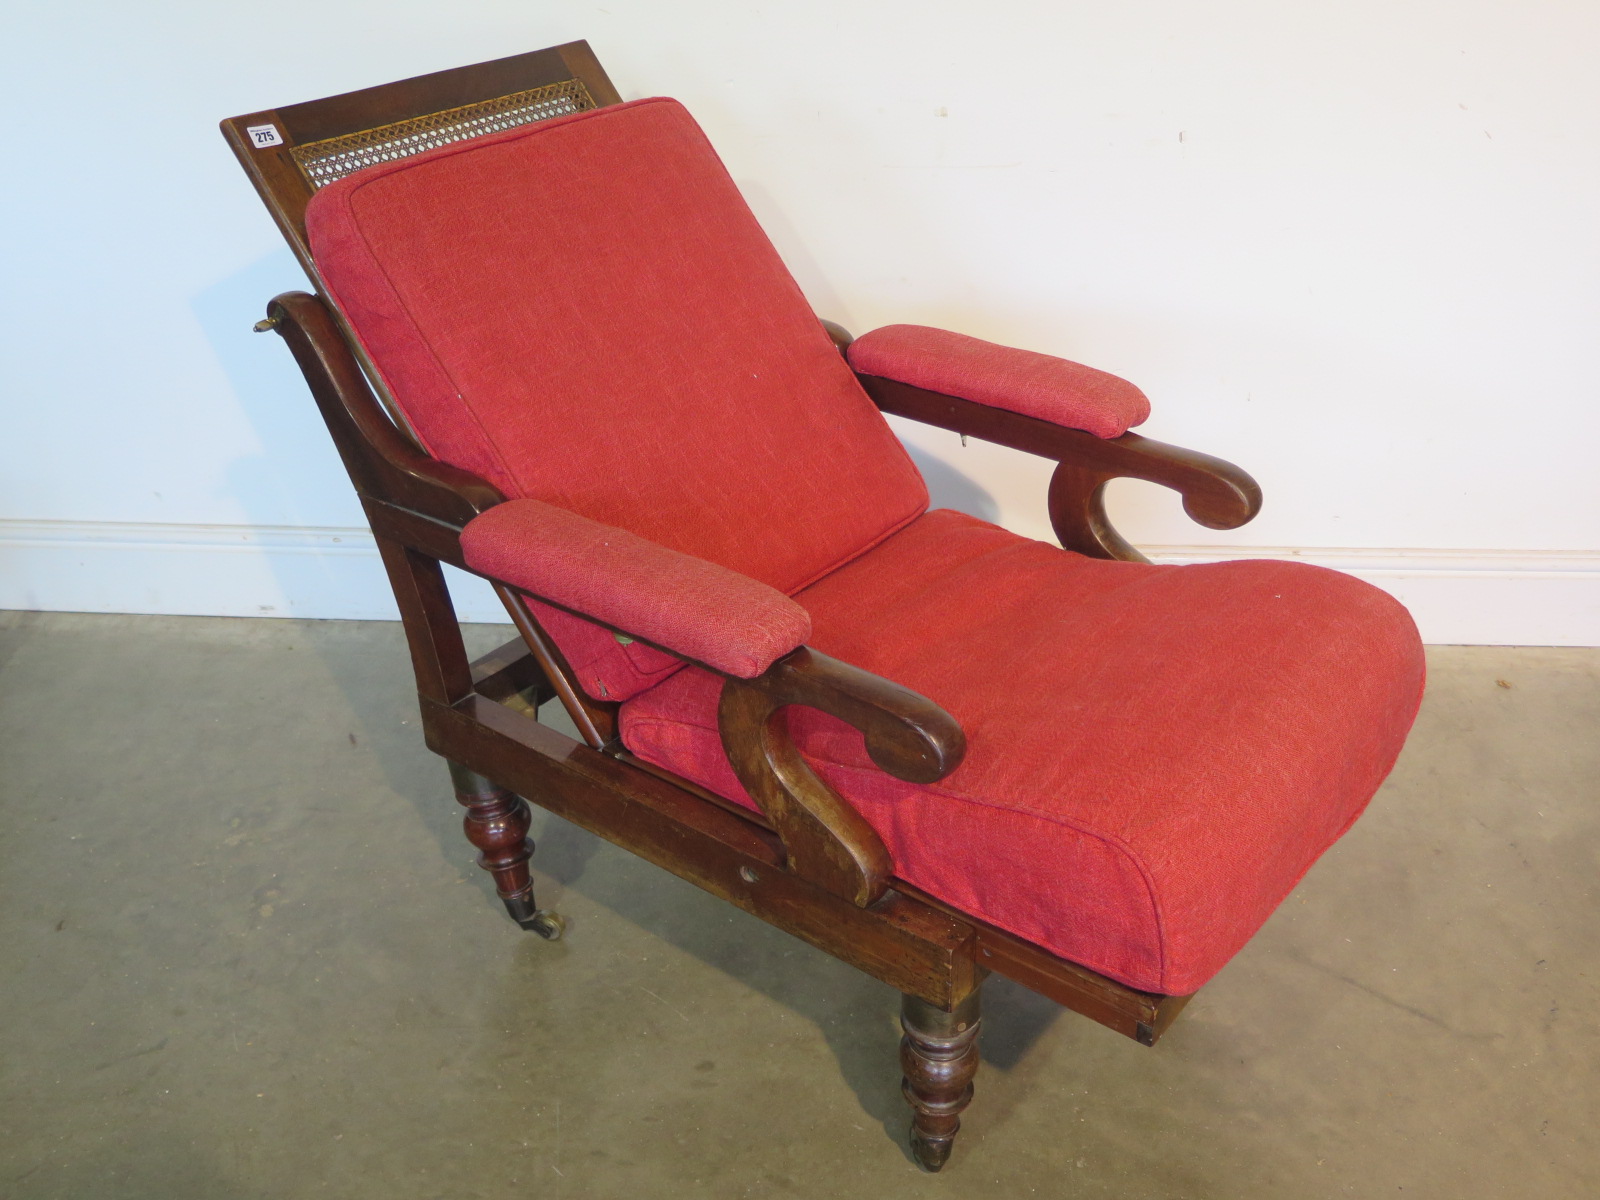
point(1108, 839)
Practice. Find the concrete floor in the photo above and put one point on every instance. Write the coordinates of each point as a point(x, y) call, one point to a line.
point(246, 953)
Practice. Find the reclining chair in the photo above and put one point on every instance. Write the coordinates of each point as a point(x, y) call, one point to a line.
point(555, 349)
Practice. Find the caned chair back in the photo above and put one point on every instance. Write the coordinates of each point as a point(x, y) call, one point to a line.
point(291, 152)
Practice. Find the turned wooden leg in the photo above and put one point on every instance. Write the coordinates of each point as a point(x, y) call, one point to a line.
point(497, 824)
point(939, 1055)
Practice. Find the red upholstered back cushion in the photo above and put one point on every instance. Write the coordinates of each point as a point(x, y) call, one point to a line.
point(585, 312)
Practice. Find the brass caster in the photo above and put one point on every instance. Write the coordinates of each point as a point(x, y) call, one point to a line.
point(548, 925)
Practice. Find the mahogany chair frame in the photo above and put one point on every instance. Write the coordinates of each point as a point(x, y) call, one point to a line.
point(808, 863)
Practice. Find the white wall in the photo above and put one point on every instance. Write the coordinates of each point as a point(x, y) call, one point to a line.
point(1351, 247)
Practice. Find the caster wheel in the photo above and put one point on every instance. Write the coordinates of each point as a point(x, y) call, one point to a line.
point(548, 925)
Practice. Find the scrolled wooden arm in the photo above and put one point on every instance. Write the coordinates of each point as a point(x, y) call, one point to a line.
point(384, 464)
point(1215, 493)
point(827, 841)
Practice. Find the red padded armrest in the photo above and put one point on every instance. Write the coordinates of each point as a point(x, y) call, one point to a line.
point(681, 603)
point(1020, 381)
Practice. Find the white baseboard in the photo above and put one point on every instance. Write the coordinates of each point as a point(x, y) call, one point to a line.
point(1461, 597)
point(1478, 597)
point(208, 570)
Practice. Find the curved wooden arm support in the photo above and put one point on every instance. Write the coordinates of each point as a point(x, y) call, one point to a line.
point(1215, 493)
point(828, 842)
point(383, 463)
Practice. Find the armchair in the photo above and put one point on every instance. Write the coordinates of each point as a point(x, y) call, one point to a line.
point(554, 349)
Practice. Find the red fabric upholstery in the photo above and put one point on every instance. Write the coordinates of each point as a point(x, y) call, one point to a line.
point(1155, 754)
point(585, 312)
point(596, 657)
point(1020, 381)
point(685, 604)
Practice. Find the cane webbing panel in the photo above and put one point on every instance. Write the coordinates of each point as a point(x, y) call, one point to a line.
point(334, 158)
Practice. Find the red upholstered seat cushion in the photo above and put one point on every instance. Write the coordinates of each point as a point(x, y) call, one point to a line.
point(1156, 754)
point(1036, 385)
point(585, 312)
